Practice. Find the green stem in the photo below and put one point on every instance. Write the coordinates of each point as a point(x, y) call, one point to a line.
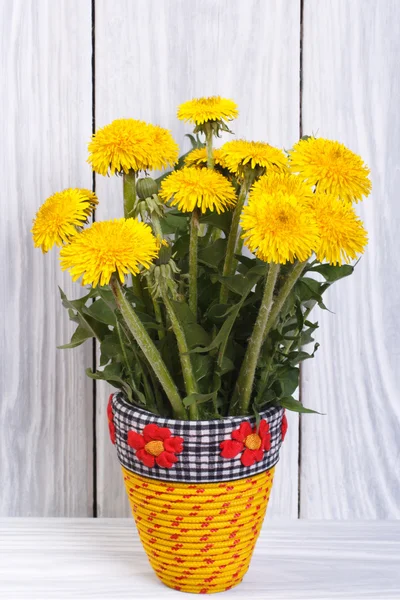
point(148, 348)
point(186, 363)
point(245, 382)
point(209, 144)
point(283, 295)
point(129, 187)
point(193, 245)
point(158, 316)
point(229, 263)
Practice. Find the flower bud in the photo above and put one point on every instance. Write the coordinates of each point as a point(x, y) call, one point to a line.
point(146, 188)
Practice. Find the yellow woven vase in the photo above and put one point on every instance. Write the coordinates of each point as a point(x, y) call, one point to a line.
point(199, 538)
point(198, 490)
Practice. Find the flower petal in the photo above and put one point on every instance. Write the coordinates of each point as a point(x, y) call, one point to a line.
point(266, 441)
point(111, 428)
point(243, 431)
point(230, 448)
point(284, 427)
point(154, 432)
point(248, 457)
point(109, 408)
point(166, 459)
point(263, 428)
point(174, 444)
point(146, 458)
point(258, 455)
point(135, 440)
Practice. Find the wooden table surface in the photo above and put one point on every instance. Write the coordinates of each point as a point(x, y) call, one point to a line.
point(42, 559)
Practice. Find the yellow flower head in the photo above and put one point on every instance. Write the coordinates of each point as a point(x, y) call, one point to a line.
point(128, 144)
point(279, 228)
point(205, 189)
point(198, 158)
point(164, 151)
point(106, 247)
point(332, 167)
point(59, 216)
point(239, 153)
point(285, 182)
point(201, 110)
point(342, 234)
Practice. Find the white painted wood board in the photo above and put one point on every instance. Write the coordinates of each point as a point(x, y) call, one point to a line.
point(350, 459)
point(46, 400)
point(151, 55)
point(60, 559)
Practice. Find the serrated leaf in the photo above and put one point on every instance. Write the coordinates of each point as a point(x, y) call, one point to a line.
point(96, 329)
point(80, 335)
point(213, 254)
point(100, 311)
point(220, 221)
point(194, 333)
point(295, 405)
point(333, 273)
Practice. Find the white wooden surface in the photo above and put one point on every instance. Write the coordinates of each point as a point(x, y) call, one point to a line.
point(45, 119)
point(151, 55)
point(60, 559)
point(350, 460)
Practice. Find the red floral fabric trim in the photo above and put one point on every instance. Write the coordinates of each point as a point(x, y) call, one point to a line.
point(156, 446)
point(284, 427)
point(250, 442)
point(110, 417)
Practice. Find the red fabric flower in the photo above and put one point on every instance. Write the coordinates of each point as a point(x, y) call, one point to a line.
point(250, 442)
point(284, 427)
point(110, 416)
point(156, 445)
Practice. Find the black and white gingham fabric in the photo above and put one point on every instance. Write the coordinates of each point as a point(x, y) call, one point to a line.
point(200, 460)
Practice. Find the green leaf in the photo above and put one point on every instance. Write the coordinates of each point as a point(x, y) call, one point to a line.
point(307, 290)
point(100, 311)
point(181, 247)
point(288, 380)
point(96, 329)
point(242, 284)
point(213, 254)
point(333, 273)
point(194, 333)
point(222, 221)
point(297, 357)
point(197, 399)
point(80, 335)
point(174, 222)
point(113, 375)
point(295, 405)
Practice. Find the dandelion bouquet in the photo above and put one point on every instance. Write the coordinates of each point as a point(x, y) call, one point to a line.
point(200, 294)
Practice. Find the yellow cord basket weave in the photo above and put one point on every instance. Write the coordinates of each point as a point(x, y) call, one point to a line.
point(199, 537)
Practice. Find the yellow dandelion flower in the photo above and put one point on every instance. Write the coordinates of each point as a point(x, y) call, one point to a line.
point(106, 247)
point(342, 234)
point(332, 167)
point(279, 228)
point(286, 182)
point(164, 151)
point(128, 144)
point(198, 158)
point(59, 216)
point(201, 110)
point(239, 153)
point(205, 189)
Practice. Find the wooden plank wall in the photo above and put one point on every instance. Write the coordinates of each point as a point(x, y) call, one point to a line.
point(46, 463)
point(350, 459)
point(150, 55)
